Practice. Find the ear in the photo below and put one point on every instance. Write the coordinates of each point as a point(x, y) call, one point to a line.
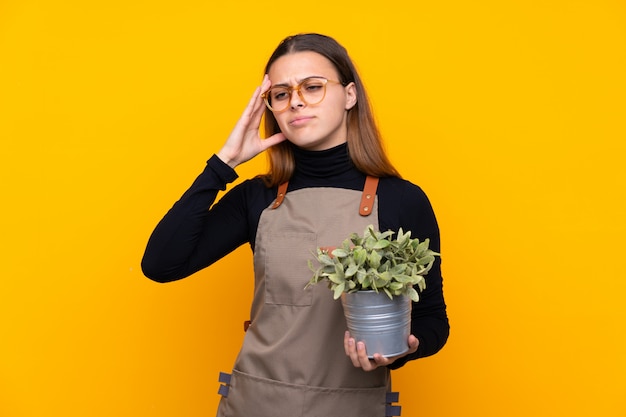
point(350, 95)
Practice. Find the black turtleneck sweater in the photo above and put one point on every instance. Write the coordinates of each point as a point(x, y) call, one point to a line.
point(195, 232)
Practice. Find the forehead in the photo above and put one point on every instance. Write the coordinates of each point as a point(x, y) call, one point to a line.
point(299, 65)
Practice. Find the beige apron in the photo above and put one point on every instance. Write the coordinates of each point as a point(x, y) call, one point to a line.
point(292, 362)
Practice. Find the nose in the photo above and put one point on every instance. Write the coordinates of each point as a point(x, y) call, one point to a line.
point(296, 99)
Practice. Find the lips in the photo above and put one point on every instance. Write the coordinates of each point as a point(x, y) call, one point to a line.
point(300, 120)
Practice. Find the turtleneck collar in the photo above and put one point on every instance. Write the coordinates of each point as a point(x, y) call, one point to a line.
point(322, 164)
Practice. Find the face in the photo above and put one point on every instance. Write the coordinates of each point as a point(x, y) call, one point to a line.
point(319, 126)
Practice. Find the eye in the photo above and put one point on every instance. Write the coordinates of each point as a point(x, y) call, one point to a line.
point(279, 94)
point(312, 85)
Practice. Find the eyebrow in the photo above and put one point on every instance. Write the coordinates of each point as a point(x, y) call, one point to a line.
point(299, 81)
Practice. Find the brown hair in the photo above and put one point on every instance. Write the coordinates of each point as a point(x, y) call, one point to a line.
point(364, 141)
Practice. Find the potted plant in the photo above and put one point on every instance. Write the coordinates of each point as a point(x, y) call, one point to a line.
point(376, 276)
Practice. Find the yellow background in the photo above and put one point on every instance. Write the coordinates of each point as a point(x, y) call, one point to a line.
point(510, 114)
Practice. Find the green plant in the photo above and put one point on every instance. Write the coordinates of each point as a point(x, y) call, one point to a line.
point(375, 261)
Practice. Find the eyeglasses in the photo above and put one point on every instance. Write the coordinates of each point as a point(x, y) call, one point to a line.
point(311, 91)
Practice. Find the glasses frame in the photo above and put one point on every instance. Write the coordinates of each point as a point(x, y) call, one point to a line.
point(297, 88)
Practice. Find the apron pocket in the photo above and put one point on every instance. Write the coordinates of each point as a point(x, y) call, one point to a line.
point(252, 396)
point(345, 402)
point(287, 270)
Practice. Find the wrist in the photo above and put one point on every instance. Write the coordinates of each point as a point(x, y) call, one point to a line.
point(226, 159)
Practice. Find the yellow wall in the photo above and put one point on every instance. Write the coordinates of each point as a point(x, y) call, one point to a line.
point(510, 114)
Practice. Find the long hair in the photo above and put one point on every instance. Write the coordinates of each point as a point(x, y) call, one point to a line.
point(364, 142)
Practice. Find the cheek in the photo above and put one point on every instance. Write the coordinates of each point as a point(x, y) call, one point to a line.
point(337, 113)
point(281, 119)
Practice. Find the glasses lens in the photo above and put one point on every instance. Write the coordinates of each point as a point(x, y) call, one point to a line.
point(278, 98)
point(313, 90)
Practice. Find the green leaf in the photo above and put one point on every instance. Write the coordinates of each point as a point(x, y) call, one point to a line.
point(325, 259)
point(367, 282)
point(385, 276)
point(339, 270)
point(403, 279)
point(388, 293)
point(360, 255)
point(385, 235)
point(398, 270)
point(338, 290)
point(379, 282)
point(374, 259)
point(381, 244)
point(352, 269)
point(423, 246)
point(395, 286)
point(360, 275)
point(426, 260)
point(336, 278)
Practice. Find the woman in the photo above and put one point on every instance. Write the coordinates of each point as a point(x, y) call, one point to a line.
point(297, 358)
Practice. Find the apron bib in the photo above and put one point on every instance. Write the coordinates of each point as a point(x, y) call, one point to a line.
point(292, 362)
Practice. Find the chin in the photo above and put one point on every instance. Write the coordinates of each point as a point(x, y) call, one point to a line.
point(304, 142)
point(314, 144)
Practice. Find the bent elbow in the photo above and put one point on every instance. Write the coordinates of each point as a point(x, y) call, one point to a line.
point(152, 271)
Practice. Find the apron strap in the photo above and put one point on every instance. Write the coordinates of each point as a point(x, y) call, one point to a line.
point(367, 198)
point(280, 196)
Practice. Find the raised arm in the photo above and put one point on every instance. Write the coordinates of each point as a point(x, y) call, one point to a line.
point(191, 236)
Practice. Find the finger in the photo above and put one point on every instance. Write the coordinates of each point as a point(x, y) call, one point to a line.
point(265, 84)
point(257, 113)
point(252, 104)
point(384, 361)
point(259, 106)
point(364, 361)
point(346, 341)
point(413, 344)
point(350, 347)
point(273, 140)
point(259, 102)
point(380, 360)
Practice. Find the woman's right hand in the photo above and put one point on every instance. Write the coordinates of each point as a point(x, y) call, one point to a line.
point(245, 142)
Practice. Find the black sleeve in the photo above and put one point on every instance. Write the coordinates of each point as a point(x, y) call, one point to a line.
point(429, 320)
point(190, 236)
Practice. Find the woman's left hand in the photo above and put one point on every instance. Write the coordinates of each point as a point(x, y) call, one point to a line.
point(358, 355)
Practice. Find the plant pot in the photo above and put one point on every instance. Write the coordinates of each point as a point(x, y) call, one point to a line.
point(384, 324)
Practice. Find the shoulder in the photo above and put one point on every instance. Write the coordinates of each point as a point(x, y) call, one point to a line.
point(250, 196)
point(254, 184)
point(404, 204)
point(401, 191)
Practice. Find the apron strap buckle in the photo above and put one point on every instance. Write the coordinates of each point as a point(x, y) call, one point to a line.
point(368, 196)
point(390, 409)
point(223, 389)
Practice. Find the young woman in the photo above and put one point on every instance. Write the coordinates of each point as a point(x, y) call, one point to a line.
point(297, 358)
